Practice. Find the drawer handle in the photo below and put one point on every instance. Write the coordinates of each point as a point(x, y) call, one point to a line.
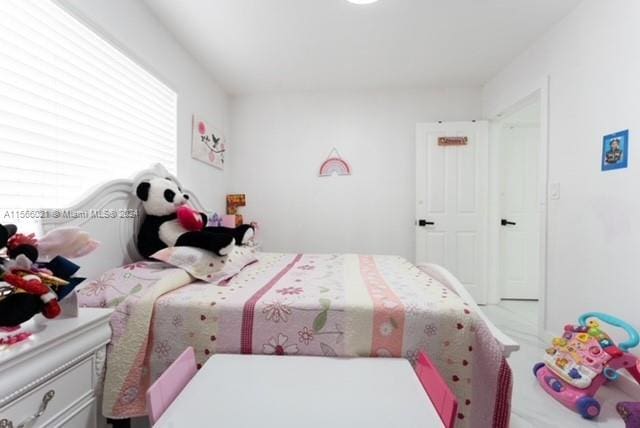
point(31, 420)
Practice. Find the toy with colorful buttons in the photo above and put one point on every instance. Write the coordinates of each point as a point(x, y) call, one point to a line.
point(583, 359)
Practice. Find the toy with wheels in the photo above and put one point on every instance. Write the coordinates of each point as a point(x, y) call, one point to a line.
point(583, 359)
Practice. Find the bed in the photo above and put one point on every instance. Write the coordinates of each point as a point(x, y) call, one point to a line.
point(342, 305)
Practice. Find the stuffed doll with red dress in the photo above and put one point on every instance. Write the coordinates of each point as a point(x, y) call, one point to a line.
point(22, 293)
point(29, 287)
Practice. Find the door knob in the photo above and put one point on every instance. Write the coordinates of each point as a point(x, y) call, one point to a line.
point(422, 223)
point(506, 222)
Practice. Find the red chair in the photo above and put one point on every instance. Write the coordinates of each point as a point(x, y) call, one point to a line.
point(437, 389)
point(169, 385)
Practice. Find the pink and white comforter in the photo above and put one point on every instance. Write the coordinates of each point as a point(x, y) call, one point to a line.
point(331, 305)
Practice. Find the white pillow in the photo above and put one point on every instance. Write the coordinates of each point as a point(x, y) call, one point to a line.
point(207, 266)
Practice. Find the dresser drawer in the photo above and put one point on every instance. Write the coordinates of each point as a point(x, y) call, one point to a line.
point(65, 390)
point(82, 417)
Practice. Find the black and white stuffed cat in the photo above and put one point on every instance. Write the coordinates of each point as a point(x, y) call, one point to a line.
point(161, 228)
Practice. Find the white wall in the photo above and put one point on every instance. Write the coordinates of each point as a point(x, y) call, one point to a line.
point(133, 28)
point(279, 141)
point(592, 60)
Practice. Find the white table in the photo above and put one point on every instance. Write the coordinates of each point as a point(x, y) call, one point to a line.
point(267, 391)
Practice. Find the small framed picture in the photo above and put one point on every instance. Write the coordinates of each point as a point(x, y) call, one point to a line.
point(208, 144)
point(615, 150)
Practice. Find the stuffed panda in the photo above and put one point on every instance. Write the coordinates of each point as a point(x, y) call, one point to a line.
point(162, 200)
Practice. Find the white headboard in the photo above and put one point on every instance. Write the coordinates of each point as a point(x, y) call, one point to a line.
point(112, 214)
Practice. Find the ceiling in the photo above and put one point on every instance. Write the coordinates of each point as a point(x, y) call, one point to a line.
point(297, 45)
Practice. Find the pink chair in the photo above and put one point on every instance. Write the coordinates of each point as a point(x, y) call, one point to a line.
point(169, 385)
point(437, 389)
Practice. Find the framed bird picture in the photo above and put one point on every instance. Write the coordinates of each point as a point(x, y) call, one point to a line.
point(208, 145)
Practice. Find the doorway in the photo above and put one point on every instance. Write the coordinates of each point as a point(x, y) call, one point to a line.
point(518, 177)
point(527, 107)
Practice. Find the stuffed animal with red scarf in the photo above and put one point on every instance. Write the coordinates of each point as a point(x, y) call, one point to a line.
point(22, 294)
point(28, 287)
point(30, 297)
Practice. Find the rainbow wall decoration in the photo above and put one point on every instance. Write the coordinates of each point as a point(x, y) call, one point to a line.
point(334, 165)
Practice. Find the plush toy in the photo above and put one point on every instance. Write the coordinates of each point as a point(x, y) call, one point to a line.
point(630, 413)
point(6, 231)
point(28, 287)
point(23, 244)
point(189, 218)
point(169, 222)
point(31, 297)
point(14, 244)
point(22, 294)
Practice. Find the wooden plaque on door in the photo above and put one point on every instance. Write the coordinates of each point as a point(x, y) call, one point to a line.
point(453, 141)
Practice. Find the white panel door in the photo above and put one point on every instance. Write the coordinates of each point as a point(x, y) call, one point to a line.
point(451, 201)
point(519, 237)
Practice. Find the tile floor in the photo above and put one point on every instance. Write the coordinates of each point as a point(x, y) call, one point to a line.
point(532, 407)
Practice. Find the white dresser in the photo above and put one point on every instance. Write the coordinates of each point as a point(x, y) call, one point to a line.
point(50, 380)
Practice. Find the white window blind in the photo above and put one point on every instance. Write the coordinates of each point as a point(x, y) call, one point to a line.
point(74, 110)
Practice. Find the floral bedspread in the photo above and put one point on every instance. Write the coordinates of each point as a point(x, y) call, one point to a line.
point(331, 305)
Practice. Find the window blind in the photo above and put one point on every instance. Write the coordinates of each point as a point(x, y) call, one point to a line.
point(74, 110)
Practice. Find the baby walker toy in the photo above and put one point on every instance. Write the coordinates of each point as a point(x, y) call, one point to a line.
point(584, 359)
